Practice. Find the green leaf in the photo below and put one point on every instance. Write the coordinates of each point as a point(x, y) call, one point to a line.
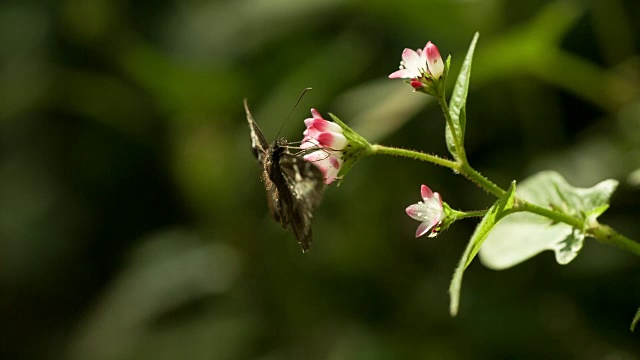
point(523, 235)
point(495, 213)
point(459, 100)
point(636, 318)
point(449, 135)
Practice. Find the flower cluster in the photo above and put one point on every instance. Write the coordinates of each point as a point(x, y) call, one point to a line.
point(327, 137)
point(332, 146)
point(424, 68)
point(430, 212)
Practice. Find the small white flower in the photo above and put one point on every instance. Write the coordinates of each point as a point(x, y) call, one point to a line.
point(429, 211)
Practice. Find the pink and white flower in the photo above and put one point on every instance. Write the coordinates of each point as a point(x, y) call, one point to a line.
point(327, 137)
point(430, 211)
point(328, 162)
point(416, 63)
point(434, 60)
point(412, 66)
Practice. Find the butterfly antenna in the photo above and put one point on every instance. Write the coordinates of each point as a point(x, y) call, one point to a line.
point(291, 112)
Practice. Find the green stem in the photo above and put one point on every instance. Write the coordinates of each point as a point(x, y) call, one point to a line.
point(606, 235)
point(474, 213)
point(411, 154)
point(456, 138)
point(522, 205)
point(473, 175)
point(463, 169)
point(603, 233)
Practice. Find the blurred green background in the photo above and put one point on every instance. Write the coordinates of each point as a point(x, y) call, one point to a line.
point(133, 224)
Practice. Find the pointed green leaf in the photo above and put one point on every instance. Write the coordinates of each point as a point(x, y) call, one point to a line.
point(521, 236)
point(459, 99)
point(636, 318)
point(495, 213)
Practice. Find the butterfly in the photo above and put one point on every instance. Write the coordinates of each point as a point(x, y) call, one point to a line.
point(294, 186)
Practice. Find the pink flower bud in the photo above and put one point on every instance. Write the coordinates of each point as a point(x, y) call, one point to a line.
point(434, 60)
point(417, 84)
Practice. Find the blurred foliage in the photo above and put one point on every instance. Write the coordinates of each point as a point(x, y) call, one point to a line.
point(133, 224)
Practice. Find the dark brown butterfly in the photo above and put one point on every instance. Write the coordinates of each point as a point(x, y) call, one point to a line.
point(294, 186)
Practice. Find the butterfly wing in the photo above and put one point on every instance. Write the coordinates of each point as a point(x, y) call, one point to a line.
point(294, 186)
point(260, 149)
point(259, 144)
point(305, 187)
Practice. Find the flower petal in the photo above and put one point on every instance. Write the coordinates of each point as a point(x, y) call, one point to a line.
point(416, 211)
point(331, 172)
point(401, 74)
point(335, 162)
point(411, 59)
point(326, 126)
point(425, 192)
point(310, 133)
point(308, 143)
point(434, 60)
point(316, 156)
point(437, 195)
point(433, 209)
point(335, 141)
point(330, 176)
point(316, 114)
point(423, 55)
point(328, 163)
point(435, 220)
point(423, 228)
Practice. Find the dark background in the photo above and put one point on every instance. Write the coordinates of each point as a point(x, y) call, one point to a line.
point(133, 224)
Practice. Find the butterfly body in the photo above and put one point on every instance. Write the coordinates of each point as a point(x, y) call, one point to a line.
point(294, 186)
